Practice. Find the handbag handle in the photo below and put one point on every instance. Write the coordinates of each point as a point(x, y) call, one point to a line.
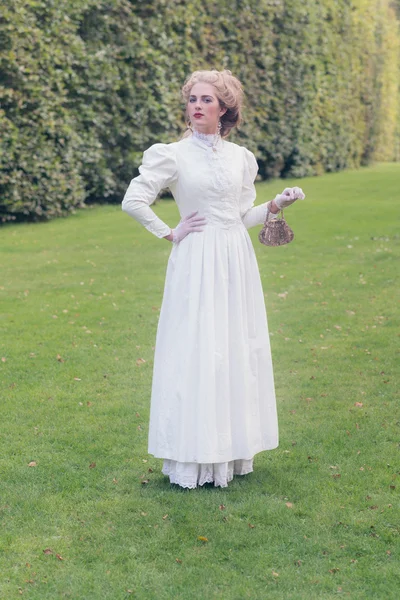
point(280, 212)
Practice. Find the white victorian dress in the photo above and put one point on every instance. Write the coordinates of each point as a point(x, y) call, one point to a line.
point(213, 401)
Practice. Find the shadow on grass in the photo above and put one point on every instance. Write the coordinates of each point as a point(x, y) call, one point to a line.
point(263, 479)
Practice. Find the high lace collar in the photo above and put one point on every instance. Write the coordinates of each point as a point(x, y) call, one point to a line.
point(209, 139)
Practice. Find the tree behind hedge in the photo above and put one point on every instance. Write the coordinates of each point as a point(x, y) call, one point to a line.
point(87, 86)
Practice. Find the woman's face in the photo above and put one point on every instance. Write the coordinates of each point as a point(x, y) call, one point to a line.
point(203, 108)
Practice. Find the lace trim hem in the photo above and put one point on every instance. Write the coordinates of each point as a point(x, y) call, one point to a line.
point(192, 475)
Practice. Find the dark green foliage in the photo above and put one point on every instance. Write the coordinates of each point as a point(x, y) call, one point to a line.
point(87, 86)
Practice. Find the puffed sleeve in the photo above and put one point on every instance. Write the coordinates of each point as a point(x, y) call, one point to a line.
point(157, 171)
point(251, 215)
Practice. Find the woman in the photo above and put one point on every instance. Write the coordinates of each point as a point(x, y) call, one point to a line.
point(213, 401)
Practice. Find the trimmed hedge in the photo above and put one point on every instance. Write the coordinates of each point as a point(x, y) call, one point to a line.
point(87, 86)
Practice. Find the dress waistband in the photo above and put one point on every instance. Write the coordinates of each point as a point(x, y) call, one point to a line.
point(223, 223)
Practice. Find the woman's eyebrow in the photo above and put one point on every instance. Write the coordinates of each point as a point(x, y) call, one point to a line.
point(204, 96)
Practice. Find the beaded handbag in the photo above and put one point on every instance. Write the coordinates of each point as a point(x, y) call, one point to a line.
point(276, 232)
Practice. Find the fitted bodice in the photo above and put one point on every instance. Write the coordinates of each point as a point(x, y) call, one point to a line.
point(209, 179)
point(216, 180)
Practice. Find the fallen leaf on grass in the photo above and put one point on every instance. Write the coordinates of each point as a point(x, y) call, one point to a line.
point(32, 464)
point(373, 507)
point(222, 507)
point(336, 475)
point(335, 570)
point(145, 481)
point(140, 361)
point(92, 465)
point(47, 551)
point(358, 404)
point(251, 526)
point(289, 504)
point(275, 574)
point(178, 560)
point(77, 379)
point(201, 538)
point(59, 358)
point(59, 557)
point(3, 359)
point(165, 517)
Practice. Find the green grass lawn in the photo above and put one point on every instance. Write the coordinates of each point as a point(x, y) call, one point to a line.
point(318, 518)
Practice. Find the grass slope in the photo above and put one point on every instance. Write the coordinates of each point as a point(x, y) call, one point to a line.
point(318, 518)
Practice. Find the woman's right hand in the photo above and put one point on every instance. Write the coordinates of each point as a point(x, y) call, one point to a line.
point(186, 225)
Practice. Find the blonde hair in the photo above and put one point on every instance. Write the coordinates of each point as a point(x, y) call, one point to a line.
point(228, 90)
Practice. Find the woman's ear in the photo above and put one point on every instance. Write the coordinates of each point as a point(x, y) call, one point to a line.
point(222, 111)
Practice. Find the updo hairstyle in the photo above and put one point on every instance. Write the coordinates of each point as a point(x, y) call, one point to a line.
point(228, 90)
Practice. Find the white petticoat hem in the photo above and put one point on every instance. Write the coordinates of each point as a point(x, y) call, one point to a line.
point(191, 475)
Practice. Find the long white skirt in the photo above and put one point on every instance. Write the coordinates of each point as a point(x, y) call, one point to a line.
point(213, 398)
